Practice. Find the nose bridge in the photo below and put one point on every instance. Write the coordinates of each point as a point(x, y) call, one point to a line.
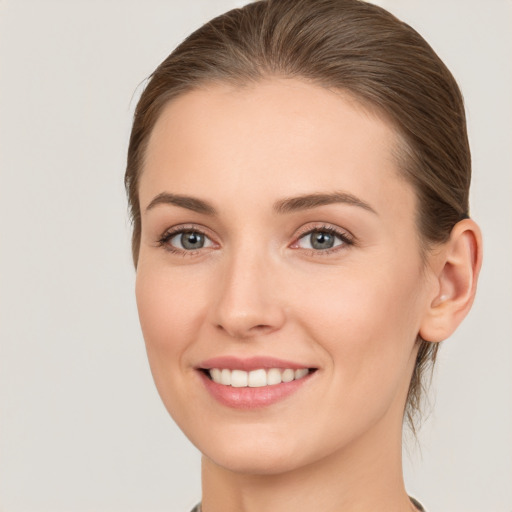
point(247, 301)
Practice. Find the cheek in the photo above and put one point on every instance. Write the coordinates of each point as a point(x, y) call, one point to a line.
point(366, 322)
point(170, 311)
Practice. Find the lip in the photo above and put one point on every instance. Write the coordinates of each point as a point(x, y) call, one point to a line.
point(249, 364)
point(251, 398)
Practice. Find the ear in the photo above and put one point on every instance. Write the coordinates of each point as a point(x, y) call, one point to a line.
point(456, 268)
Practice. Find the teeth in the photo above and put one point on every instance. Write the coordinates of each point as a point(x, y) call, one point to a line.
point(239, 379)
point(225, 377)
point(255, 378)
point(288, 375)
point(216, 374)
point(301, 373)
point(273, 377)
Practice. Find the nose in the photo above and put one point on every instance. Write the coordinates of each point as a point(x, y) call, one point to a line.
point(248, 300)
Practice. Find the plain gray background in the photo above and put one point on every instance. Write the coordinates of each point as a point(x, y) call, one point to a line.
point(81, 425)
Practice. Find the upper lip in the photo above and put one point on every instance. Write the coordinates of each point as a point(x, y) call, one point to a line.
point(249, 364)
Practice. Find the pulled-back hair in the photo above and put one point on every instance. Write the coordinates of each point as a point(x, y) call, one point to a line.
point(347, 45)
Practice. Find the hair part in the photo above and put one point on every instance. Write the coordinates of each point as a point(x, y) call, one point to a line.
point(346, 45)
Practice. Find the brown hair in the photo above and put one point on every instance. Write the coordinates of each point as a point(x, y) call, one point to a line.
point(345, 45)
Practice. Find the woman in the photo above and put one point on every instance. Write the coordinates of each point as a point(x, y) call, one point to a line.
point(298, 177)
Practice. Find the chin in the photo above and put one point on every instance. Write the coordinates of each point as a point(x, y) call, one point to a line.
point(252, 454)
point(254, 462)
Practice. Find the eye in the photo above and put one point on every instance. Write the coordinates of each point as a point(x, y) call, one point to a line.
point(185, 240)
point(322, 239)
point(189, 240)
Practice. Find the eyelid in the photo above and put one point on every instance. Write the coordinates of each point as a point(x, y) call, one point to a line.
point(325, 226)
point(169, 233)
point(344, 235)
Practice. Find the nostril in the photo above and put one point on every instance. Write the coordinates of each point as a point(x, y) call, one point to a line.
point(242, 332)
point(260, 329)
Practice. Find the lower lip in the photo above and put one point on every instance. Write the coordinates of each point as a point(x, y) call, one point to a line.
point(252, 398)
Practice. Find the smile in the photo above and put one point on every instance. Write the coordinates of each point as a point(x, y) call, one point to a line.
point(256, 378)
point(253, 383)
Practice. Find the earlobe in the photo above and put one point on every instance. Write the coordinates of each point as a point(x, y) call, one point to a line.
point(456, 279)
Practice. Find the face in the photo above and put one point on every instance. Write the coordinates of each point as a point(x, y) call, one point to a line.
point(280, 284)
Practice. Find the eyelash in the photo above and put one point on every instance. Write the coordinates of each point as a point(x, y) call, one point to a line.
point(346, 239)
point(171, 233)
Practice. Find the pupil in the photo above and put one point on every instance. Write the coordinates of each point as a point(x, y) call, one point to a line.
point(322, 240)
point(192, 240)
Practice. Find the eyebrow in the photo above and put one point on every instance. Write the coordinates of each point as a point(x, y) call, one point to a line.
point(188, 202)
point(288, 205)
point(309, 201)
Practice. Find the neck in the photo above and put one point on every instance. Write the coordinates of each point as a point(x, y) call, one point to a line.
point(367, 475)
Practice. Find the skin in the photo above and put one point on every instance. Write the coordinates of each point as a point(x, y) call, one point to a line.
point(257, 288)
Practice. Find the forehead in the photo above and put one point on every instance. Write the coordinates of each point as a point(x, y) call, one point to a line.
point(279, 137)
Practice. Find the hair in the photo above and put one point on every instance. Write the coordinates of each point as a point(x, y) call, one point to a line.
point(345, 45)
